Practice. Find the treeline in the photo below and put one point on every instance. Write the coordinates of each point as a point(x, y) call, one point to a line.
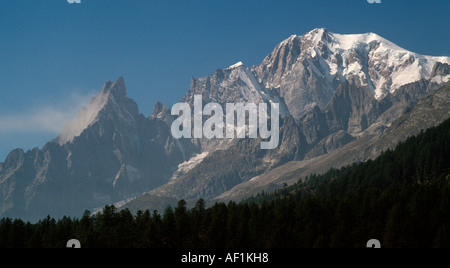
point(402, 199)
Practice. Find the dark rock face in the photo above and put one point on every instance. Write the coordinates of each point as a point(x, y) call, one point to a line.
point(440, 69)
point(120, 154)
point(352, 109)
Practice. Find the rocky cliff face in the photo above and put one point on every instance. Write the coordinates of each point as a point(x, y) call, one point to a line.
point(236, 84)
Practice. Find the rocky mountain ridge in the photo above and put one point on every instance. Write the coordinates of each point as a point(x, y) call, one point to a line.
point(109, 153)
point(335, 91)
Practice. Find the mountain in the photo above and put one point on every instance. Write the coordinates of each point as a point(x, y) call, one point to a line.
point(307, 69)
point(340, 96)
point(109, 153)
point(327, 111)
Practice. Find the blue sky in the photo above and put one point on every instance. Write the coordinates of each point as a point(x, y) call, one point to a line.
point(54, 55)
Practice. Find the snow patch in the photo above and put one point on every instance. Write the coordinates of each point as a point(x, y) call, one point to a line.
point(349, 41)
point(234, 66)
point(187, 166)
point(409, 74)
point(440, 79)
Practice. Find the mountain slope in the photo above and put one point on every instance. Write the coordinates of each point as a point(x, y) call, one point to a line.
point(335, 91)
point(428, 112)
point(109, 153)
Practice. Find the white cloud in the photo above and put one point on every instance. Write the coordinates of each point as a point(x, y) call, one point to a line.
point(84, 118)
point(48, 118)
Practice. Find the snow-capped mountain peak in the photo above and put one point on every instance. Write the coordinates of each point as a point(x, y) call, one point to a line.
point(388, 66)
point(322, 60)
